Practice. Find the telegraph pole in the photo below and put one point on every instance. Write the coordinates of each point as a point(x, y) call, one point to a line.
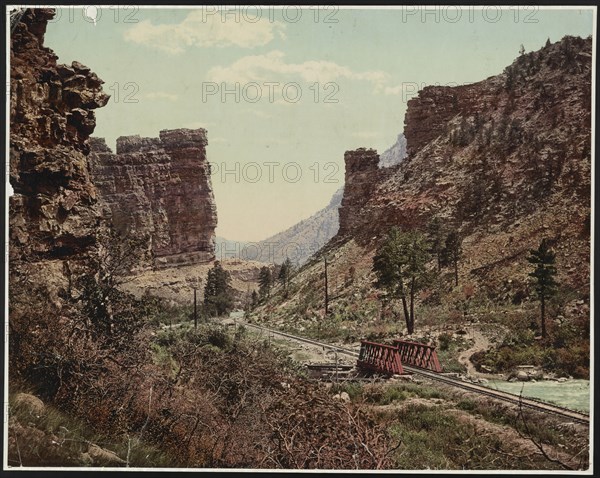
point(326, 290)
point(195, 311)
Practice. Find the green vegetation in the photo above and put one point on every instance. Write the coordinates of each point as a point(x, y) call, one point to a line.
point(545, 286)
point(385, 394)
point(265, 280)
point(55, 438)
point(432, 438)
point(448, 350)
point(400, 266)
point(285, 275)
point(565, 352)
point(218, 296)
point(452, 251)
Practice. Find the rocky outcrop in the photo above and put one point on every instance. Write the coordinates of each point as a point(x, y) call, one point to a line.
point(53, 211)
point(362, 173)
point(506, 161)
point(160, 189)
point(486, 154)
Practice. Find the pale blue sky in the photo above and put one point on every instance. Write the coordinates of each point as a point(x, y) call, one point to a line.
point(374, 60)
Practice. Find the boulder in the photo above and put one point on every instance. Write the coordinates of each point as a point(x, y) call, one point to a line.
point(344, 397)
point(522, 376)
point(32, 403)
point(103, 457)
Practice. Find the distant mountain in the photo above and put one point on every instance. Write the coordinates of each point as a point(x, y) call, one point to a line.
point(395, 154)
point(228, 249)
point(305, 238)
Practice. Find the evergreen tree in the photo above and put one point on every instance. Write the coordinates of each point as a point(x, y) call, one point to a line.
point(285, 273)
point(453, 251)
point(254, 300)
point(543, 259)
point(218, 296)
point(400, 266)
point(265, 280)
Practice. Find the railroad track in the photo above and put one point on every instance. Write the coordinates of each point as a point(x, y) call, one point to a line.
point(528, 402)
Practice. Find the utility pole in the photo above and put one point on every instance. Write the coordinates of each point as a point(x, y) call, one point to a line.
point(195, 311)
point(326, 290)
point(336, 367)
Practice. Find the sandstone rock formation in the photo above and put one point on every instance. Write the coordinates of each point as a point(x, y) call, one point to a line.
point(362, 173)
point(53, 211)
point(489, 156)
point(160, 188)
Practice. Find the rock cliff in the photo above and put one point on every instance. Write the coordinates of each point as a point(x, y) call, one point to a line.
point(53, 212)
point(505, 161)
point(362, 174)
point(485, 155)
point(160, 188)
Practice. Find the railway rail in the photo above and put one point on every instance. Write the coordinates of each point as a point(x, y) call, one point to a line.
point(528, 402)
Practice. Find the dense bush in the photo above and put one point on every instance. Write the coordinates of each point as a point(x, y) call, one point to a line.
point(200, 396)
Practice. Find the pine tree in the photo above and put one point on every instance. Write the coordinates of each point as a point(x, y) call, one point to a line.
point(543, 258)
point(265, 280)
point(218, 296)
point(254, 300)
point(285, 273)
point(400, 266)
point(435, 233)
point(453, 251)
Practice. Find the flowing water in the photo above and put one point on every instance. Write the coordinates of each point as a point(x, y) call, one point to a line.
point(574, 394)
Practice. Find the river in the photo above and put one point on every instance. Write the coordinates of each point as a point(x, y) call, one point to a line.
point(574, 394)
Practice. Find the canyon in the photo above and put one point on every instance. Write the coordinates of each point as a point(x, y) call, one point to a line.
point(504, 162)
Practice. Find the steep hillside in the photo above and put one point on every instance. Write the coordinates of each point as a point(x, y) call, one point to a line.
point(506, 161)
point(302, 240)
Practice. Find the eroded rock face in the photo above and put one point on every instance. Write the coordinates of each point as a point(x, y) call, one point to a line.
point(506, 160)
point(53, 213)
point(160, 188)
point(486, 153)
point(362, 173)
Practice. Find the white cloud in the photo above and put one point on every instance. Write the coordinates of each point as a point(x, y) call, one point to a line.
point(162, 95)
point(272, 66)
point(200, 29)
